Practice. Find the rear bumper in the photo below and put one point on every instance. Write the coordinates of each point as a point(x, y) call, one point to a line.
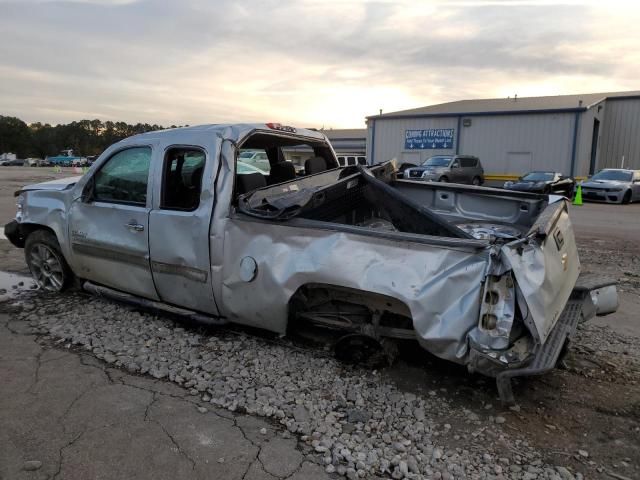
point(578, 309)
point(13, 232)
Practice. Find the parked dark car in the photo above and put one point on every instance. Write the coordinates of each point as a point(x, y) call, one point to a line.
point(543, 182)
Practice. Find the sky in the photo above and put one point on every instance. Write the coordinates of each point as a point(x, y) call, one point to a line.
point(306, 63)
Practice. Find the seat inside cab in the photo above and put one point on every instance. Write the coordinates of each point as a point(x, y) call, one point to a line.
point(265, 159)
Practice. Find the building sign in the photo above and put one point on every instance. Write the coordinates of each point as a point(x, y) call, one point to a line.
point(432, 138)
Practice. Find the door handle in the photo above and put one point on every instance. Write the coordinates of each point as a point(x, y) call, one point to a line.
point(135, 226)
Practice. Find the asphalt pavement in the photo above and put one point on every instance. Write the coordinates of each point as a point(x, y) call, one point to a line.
point(66, 415)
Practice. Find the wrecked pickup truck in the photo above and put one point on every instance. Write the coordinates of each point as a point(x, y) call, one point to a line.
point(173, 219)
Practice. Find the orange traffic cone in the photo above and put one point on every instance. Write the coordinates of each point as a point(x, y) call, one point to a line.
point(577, 200)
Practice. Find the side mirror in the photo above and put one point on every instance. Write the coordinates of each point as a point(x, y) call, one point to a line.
point(88, 191)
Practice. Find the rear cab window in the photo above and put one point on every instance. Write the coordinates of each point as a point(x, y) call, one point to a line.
point(266, 159)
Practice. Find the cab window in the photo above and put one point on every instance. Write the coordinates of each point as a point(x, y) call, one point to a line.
point(182, 179)
point(124, 177)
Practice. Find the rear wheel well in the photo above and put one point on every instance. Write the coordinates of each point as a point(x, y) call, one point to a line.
point(344, 308)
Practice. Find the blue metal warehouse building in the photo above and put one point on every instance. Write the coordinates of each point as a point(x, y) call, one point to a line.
point(574, 134)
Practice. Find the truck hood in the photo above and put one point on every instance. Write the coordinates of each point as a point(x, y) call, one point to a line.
point(57, 184)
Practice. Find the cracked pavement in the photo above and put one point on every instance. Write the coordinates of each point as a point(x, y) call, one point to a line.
point(82, 419)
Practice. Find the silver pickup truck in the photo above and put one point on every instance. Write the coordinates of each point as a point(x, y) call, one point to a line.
point(171, 219)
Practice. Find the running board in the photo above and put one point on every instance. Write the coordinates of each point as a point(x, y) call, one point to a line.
point(100, 291)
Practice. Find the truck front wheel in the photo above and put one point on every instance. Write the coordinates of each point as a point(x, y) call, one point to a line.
point(46, 262)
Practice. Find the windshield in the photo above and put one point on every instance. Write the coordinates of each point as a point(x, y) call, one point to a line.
point(618, 175)
point(247, 154)
point(538, 176)
point(437, 162)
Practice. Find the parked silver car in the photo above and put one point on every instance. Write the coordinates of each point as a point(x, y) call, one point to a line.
point(448, 168)
point(613, 185)
point(481, 277)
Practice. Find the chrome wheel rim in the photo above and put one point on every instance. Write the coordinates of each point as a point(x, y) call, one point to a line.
point(46, 268)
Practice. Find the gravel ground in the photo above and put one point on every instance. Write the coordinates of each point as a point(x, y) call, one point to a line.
point(358, 422)
point(427, 419)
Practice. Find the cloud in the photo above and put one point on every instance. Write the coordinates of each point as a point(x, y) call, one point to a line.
point(309, 62)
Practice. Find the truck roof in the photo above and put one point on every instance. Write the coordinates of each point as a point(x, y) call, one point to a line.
point(230, 131)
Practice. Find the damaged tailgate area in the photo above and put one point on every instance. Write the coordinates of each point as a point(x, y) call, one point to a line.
point(523, 313)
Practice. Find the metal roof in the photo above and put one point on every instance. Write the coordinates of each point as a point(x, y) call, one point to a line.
point(494, 106)
point(346, 133)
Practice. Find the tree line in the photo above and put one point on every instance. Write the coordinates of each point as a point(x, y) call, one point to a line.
point(85, 137)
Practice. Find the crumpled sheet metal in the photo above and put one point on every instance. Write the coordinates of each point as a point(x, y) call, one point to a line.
point(440, 286)
point(545, 275)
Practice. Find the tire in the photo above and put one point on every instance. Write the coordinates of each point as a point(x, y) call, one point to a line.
point(627, 197)
point(476, 181)
point(443, 179)
point(46, 262)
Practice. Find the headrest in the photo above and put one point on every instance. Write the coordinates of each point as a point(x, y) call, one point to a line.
point(281, 172)
point(315, 165)
point(248, 182)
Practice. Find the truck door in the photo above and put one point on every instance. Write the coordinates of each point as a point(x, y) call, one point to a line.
point(108, 224)
point(179, 229)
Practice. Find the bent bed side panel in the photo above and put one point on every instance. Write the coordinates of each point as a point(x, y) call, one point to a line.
point(440, 285)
